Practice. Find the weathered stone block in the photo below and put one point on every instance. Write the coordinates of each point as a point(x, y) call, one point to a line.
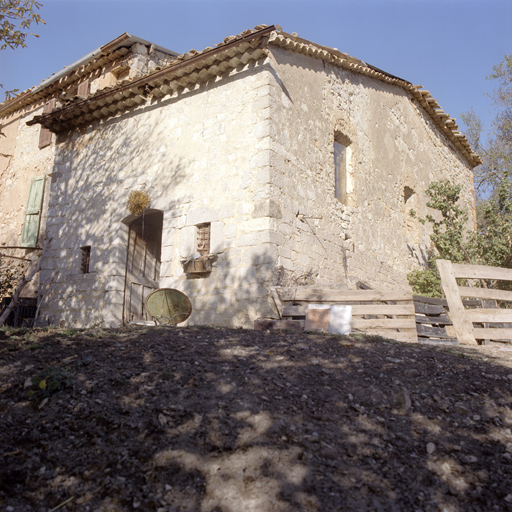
point(259, 255)
point(217, 237)
point(267, 208)
point(226, 210)
point(251, 292)
point(201, 215)
point(261, 159)
point(249, 239)
point(114, 283)
point(188, 241)
point(114, 297)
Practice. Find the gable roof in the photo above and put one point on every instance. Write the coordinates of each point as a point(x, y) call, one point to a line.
point(191, 68)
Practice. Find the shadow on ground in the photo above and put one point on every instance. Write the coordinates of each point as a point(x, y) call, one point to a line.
point(200, 419)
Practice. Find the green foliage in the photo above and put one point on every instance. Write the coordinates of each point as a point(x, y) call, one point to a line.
point(496, 151)
point(70, 332)
point(49, 381)
point(426, 282)
point(448, 233)
point(449, 237)
point(491, 243)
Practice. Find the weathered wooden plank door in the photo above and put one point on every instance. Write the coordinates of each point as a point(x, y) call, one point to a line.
point(143, 265)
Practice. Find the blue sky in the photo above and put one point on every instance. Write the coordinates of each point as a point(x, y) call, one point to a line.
point(448, 46)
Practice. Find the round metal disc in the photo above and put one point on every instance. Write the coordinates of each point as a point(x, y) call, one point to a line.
point(168, 306)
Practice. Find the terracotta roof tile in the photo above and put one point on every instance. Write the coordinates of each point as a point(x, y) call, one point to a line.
point(193, 66)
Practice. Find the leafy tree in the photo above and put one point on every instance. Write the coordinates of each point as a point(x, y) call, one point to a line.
point(496, 152)
point(449, 238)
point(491, 243)
point(448, 232)
point(16, 17)
point(493, 179)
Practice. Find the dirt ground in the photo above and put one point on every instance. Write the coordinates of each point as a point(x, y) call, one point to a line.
point(219, 420)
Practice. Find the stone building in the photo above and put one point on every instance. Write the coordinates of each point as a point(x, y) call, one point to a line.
point(27, 152)
point(266, 159)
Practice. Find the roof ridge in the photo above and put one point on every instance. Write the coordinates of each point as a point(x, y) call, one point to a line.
point(440, 118)
point(190, 67)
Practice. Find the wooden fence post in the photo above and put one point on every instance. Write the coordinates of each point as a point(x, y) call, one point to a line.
point(462, 325)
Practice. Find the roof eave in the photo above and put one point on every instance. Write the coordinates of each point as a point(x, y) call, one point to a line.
point(123, 41)
point(136, 91)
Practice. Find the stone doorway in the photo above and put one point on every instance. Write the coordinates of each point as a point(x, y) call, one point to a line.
point(143, 264)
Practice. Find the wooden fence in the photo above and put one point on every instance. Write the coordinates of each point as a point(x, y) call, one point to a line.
point(488, 320)
point(387, 313)
point(433, 322)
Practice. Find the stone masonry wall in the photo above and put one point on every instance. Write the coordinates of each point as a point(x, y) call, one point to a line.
point(396, 152)
point(252, 154)
point(20, 161)
point(24, 161)
point(202, 157)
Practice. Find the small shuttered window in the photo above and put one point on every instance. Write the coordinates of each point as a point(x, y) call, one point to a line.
point(33, 213)
point(45, 136)
point(83, 89)
point(85, 259)
point(203, 239)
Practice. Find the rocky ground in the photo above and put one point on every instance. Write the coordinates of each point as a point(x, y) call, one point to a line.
point(219, 420)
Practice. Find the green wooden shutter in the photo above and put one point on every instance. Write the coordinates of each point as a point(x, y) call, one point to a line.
point(33, 213)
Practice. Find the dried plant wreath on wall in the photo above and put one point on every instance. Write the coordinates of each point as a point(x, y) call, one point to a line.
point(138, 200)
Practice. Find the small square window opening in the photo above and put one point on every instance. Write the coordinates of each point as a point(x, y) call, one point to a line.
point(85, 259)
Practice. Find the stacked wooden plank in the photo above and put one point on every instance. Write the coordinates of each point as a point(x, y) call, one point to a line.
point(491, 320)
point(433, 323)
point(388, 313)
point(432, 319)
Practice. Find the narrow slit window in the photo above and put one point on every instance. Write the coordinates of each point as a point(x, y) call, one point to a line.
point(85, 259)
point(341, 165)
point(203, 239)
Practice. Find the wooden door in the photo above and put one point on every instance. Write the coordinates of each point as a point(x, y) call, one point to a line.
point(143, 265)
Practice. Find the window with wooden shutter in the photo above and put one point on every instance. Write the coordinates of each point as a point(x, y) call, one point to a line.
point(33, 213)
point(83, 89)
point(45, 136)
point(203, 239)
